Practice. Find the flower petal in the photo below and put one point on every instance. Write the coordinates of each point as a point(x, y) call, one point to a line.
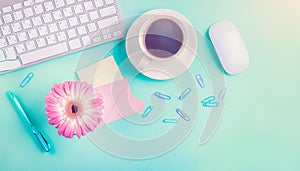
point(69, 131)
point(50, 108)
point(62, 127)
point(50, 99)
point(55, 121)
point(53, 115)
point(67, 86)
point(89, 123)
point(85, 126)
point(78, 130)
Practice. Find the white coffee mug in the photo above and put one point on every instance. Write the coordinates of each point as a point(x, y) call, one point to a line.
point(161, 44)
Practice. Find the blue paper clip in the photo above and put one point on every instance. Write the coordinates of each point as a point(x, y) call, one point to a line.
point(208, 99)
point(211, 104)
point(26, 80)
point(182, 115)
point(162, 96)
point(147, 111)
point(200, 80)
point(185, 93)
point(170, 121)
point(222, 94)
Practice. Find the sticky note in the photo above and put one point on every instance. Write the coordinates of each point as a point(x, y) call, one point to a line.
point(103, 72)
point(118, 101)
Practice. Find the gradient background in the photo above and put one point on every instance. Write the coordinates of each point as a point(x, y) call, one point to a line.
point(261, 122)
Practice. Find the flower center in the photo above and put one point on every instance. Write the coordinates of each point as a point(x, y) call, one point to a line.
point(73, 108)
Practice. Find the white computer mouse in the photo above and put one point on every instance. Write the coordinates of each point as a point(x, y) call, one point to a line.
point(230, 47)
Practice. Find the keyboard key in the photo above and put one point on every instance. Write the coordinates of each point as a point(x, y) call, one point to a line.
point(12, 39)
point(37, 21)
point(59, 3)
point(71, 33)
point(30, 45)
point(44, 53)
point(43, 30)
point(94, 15)
point(28, 12)
point(51, 39)
point(7, 18)
point(38, 1)
point(2, 55)
point(117, 33)
point(2, 43)
point(16, 27)
point(22, 36)
point(53, 28)
point(57, 15)
point(70, 2)
point(92, 27)
point(108, 11)
point(88, 6)
point(7, 9)
point(73, 21)
point(38, 9)
point(61, 36)
point(109, 1)
point(99, 3)
point(18, 15)
point(47, 18)
point(83, 18)
point(9, 65)
point(10, 53)
point(41, 42)
point(26, 24)
point(5, 30)
point(81, 30)
point(32, 33)
point(67, 12)
point(49, 6)
point(17, 6)
point(74, 44)
point(86, 40)
point(20, 48)
point(28, 3)
point(107, 36)
point(105, 31)
point(63, 25)
point(97, 39)
point(108, 22)
point(78, 9)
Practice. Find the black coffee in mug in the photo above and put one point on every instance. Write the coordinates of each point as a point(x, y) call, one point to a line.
point(164, 38)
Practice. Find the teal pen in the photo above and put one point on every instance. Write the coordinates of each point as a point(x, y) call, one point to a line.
point(21, 112)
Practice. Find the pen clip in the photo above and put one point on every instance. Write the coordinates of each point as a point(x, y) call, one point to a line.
point(42, 141)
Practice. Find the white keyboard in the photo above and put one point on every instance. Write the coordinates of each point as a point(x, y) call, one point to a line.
point(38, 30)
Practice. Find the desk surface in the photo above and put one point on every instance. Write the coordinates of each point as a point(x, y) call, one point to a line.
point(260, 125)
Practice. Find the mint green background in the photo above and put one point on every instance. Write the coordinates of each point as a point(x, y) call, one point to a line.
point(260, 126)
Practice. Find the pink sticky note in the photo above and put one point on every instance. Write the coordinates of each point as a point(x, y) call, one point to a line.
point(118, 101)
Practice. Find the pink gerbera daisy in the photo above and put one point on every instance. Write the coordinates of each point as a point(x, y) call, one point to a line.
point(74, 108)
